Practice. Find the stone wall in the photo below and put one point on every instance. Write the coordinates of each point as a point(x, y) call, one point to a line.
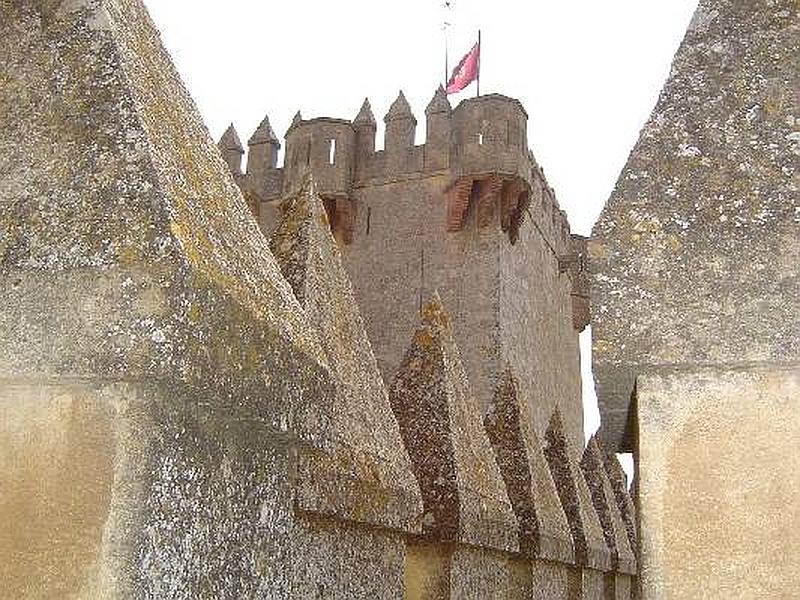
point(188, 411)
point(718, 477)
point(695, 290)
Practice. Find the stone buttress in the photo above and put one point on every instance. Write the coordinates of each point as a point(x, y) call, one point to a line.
point(364, 475)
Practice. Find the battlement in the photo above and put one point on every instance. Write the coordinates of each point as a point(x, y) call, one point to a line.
point(481, 145)
point(481, 135)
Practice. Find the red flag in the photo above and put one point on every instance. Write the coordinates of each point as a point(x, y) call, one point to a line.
point(466, 71)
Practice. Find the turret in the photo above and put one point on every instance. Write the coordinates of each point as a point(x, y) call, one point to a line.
point(437, 143)
point(490, 135)
point(324, 147)
point(400, 129)
point(230, 146)
point(263, 151)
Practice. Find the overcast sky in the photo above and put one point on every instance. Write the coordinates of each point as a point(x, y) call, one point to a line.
point(588, 72)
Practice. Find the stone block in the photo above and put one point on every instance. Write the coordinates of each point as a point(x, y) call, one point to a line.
point(552, 580)
point(719, 474)
point(478, 573)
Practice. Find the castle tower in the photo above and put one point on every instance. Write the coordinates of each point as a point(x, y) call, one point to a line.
point(401, 126)
point(231, 148)
point(437, 143)
point(469, 214)
point(459, 216)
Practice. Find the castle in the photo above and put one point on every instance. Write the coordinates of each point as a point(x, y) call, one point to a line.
point(372, 388)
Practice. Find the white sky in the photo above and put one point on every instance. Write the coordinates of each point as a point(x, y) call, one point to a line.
point(588, 72)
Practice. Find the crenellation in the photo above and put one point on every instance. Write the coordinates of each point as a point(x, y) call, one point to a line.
point(438, 132)
point(262, 151)
point(324, 147)
point(365, 129)
point(401, 127)
point(490, 136)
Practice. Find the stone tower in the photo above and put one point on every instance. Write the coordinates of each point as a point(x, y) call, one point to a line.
point(468, 214)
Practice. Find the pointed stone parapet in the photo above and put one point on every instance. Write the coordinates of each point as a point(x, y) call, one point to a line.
point(366, 474)
point(462, 488)
point(543, 529)
point(365, 127)
point(619, 485)
point(587, 534)
point(157, 374)
point(401, 126)
point(605, 505)
point(438, 116)
point(365, 116)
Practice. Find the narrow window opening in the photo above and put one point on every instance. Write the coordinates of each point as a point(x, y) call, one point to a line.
point(331, 152)
point(308, 153)
point(369, 214)
point(480, 139)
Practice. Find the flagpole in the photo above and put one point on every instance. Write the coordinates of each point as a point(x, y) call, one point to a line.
point(446, 69)
point(445, 26)
point(479, 63)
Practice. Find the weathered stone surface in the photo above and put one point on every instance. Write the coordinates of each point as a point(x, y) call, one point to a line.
point(120, 224)
point(149, 346)
point(605, 505)
point(462, 489)
point(543, 528)
point(587, 534)
point(230, 146)
point(332, 560)
point(478, 573)
point(619, 586)
point(695, 256)
point(719, 473)
point(365, 474)
point(553, 581)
